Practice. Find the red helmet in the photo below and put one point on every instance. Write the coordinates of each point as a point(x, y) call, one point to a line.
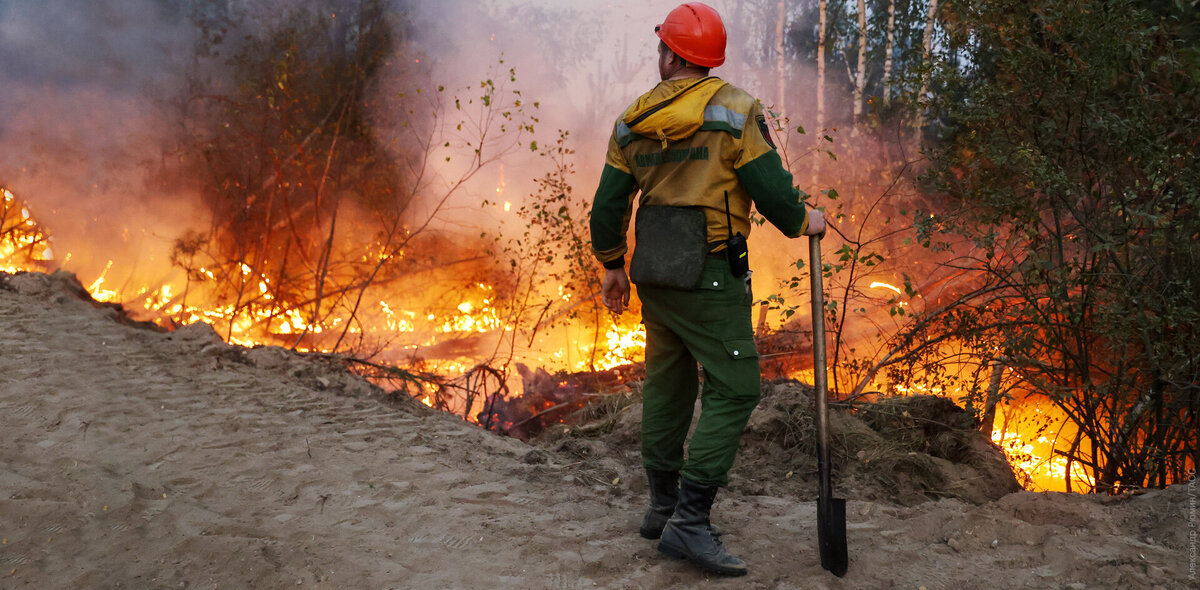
point(694, 31)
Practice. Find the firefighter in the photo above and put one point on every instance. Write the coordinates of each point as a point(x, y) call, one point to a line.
point(699, 152)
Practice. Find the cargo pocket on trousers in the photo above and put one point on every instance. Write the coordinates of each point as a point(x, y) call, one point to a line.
point(714, 278)
point(717, 286)
point(740, 348)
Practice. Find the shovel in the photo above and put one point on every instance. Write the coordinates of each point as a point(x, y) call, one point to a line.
point(831, 512)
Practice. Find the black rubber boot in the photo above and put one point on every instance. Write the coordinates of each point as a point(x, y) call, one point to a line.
point(664, 494)
point(689, 535)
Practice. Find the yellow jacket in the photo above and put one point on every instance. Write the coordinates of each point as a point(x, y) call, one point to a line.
point(684, 144)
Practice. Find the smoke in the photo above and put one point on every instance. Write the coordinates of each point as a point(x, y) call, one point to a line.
point(82, 124)
point(91, 110)
point(584, 63)
point(579, 62)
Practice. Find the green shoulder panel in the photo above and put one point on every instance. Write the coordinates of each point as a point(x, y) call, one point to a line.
point(610, 213)
point(770, 186)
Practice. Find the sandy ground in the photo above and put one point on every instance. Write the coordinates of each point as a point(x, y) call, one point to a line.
point(136, 459)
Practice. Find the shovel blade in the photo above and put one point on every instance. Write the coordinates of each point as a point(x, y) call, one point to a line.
point(831, 536)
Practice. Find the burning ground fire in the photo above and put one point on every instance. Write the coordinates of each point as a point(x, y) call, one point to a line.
point(1027, 433)
point(429, 335)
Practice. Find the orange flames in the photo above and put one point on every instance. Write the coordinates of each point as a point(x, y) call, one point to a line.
point(23, 243)
point(25, 246)
point(1035, 429)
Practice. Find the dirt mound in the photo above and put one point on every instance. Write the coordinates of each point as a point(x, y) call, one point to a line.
point(904, 451)
point(200, 341)
point(61, 286)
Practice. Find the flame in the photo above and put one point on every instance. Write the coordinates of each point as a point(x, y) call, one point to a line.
point(883, 285)
point(1036, 430)
point(25, 246)
point(469, 319)
point(99, 293)
point(23, 242)
point(623, 346)
point(474, 316)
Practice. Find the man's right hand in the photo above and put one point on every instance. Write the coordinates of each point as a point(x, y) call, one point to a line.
point(816, 223)
point(615, 291)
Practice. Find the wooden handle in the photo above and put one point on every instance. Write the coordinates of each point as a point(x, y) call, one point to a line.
point(820, 380)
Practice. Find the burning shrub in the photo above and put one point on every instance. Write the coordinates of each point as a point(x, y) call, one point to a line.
point(322, 221)
point(24, 244)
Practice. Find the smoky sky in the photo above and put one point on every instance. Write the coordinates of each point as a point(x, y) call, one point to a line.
point(82, 122)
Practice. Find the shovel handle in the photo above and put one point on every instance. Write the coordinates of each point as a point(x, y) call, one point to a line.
point(820, 380)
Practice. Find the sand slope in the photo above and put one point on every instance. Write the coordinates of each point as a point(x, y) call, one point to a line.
point(131, 458)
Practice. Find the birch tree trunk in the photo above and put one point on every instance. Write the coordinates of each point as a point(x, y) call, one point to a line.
point(821, 68)
point(860, 75)
point(926, 62)
point(820, 89)
point(889, 47)
point(988, 423)
point(780, 21)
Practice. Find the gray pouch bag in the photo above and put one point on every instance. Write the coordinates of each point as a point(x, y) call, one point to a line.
point(671, 246)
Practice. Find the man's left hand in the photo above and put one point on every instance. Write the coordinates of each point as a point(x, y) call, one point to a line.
point(615, 291)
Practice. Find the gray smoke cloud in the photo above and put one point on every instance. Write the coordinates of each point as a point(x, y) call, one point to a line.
point(82, 124)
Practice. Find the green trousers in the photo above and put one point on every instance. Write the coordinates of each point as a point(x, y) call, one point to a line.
point(710, 325)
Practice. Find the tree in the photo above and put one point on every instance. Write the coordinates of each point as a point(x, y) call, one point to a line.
point(926, 60)
point(889, 49)
point(860, 72)
point(1071, 182)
